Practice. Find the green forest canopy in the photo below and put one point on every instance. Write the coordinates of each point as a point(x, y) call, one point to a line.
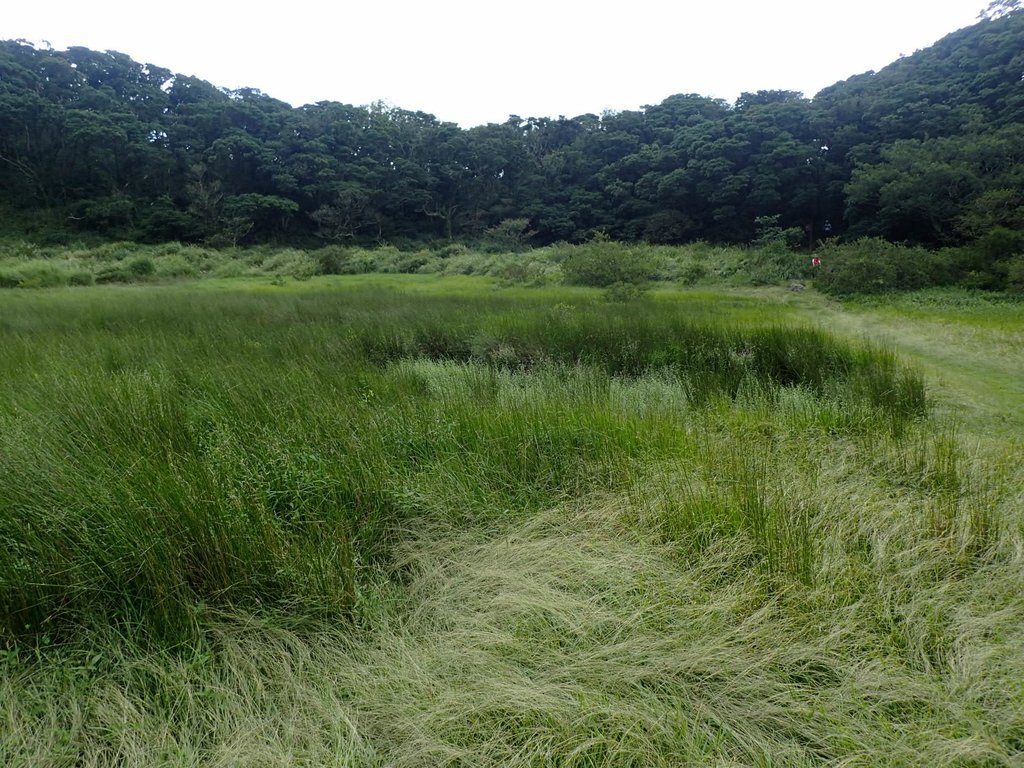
point(929, 150)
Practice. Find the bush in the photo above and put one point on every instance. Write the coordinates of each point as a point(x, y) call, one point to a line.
point(41, 274)
point(292, 263)
point(132, 270)
point(451, 249)
point(1015, 274)
point(10, 278)
point(776, 263)
point(874, 265)
point(527, 269)
point(390, 259)
point(986, 262)
point(467, 264)
point(691, 273)
point(114, 273)
point(509, 235)
point(411, 263)
point(175, 265)
point(359, 261)
point(112, 251)
point(623, 292)
point(20, 249)
point(228, 268)
point(773, 258)
point(601, 263)
point(331, 259)
point(141, 267)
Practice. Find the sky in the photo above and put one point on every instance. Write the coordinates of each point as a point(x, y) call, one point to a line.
point(473, 62)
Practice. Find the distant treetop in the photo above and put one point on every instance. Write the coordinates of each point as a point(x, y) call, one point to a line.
point(999, 8)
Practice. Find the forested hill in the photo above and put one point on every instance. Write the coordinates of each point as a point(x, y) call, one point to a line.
point(928, 150)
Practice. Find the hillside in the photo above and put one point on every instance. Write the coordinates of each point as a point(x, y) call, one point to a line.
point(97, 143)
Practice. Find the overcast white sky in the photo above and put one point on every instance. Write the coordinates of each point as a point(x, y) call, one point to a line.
point(473, 62)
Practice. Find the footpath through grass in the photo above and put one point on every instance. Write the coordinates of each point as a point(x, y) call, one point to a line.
point(970, 345)
point(420, 521)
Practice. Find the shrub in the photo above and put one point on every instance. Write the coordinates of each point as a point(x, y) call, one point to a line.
point(141, 267)
point(357, 262)
point(112, 251)
point(509, 235)
point(999, 243)
point(773, 258)
point(527, 269)
point(204, 259)
point(691, 273)
point(769, 232)
point(113, 273)
point(131, 270)
point(623, 292)
point(874, 265)
point(20, 249)
point(331, 259)
point(168, 249)
point(41, 274)
point(412, 263)
point(175, 265)
point(677, 264)
point(390, 259)
point(601, 263)
point(228, 268)
point(776, 263)
point(10, 278)
point(451, 249)
point(292, 263)
point(466, 264)
point(1015, 274)
point(985, 263)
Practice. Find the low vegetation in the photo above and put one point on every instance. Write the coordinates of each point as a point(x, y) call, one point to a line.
point(875, 266)
point(407, 520)
point(625, 271)
point(681, 436)
point(599, 263)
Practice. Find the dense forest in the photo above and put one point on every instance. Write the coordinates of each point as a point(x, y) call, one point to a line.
point(929, 150)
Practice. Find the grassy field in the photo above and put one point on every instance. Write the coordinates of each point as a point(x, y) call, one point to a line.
point(970, 346)
point(419, 520)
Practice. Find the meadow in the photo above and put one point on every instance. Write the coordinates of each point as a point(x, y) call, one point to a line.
point(449, 519)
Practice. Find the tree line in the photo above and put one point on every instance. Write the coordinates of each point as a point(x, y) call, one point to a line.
point(929, 150)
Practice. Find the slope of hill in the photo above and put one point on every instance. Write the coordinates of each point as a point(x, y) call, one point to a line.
point(98, 143)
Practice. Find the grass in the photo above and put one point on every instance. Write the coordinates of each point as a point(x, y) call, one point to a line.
point(623, 270)
point(968, 343)
point(410, 520)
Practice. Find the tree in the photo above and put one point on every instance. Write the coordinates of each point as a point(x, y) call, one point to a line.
point(265, 216)
point(926, 150)
point(509, 235)
point(999, 8)
point(942, 191)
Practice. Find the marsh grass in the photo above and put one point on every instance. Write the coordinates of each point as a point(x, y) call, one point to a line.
point(251, 453)
point(572, 640)
point(624, 270)
point(409, 522)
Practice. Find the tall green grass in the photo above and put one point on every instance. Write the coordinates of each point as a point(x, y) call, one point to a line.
point(357, 521)
point(164, 452)
point(625, 270)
